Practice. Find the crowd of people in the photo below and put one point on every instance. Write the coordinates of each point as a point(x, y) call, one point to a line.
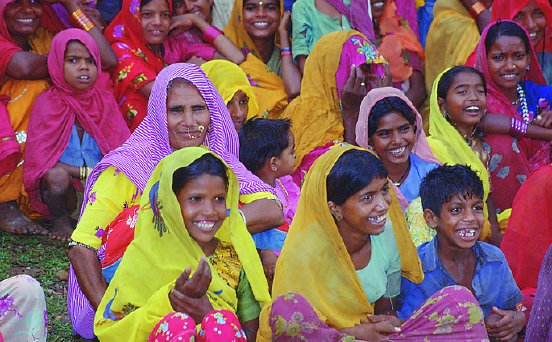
point(316, 170)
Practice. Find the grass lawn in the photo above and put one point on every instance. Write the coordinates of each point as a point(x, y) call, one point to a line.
point(41, 258)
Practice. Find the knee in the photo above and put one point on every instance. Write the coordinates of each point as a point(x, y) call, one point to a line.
point(174, 325)
point(57, 180)
point(26, 288)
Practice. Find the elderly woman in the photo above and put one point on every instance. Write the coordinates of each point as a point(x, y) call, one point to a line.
point(184, 110)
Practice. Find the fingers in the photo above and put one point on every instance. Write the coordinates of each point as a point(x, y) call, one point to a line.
point(183, 278)
point(386, 327)
point(200, 280)
point(376, 318)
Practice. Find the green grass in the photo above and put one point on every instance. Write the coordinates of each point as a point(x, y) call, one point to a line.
point(41, 258)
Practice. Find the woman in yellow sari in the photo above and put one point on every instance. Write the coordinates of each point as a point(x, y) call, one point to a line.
point(171, 243)
point(360, 234)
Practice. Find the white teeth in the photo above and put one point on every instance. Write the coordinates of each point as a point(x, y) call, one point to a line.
point(532, 35)
point(84, 77)
point(466, 233)
point(205, 225)
point(378, 219)
point(378, 4)
point(398, 151)
point(260, 25)
point(473, 108)
point(25, 21)
point(509, 76)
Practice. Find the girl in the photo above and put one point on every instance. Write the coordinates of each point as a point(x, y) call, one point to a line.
point(515, 85)
point(190, 209)
point(73, 124)
point(261, 30)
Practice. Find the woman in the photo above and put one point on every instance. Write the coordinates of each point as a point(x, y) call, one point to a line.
point(232, 83)
point(73, 124)
point(139, 37)
point(505, 49)
point(179, 89)
point(343, 211)
point(24, 74)
point(223, 260)
point(391, 126)
point(534, 16)
point(269, 64)
point(334, 83)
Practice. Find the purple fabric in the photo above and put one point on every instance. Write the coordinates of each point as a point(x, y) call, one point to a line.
point(358, 16)
point(140, 154)
point(406, 9)
point(539, 327)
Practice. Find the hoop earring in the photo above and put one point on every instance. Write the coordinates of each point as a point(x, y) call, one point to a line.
point(338, 217)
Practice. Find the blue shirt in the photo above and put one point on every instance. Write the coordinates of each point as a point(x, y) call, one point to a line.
point(492, 283)
point(77, 152)
point(419, 168)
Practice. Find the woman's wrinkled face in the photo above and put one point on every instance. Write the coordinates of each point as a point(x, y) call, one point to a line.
point(238, 107)
point(155, 19)
point(393, 139)
point(201, 8)
point(531, 17)
point(188, 117)
point(261, 18)
point(23, 17)
point(79, 67)
point(507, 61)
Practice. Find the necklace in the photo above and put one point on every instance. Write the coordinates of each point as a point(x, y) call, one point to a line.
point(522, 100)
point(400, 181)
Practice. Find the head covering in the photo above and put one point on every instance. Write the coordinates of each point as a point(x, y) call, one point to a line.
point(149, 143)
point(156, 258)
point(9, 147)
point(316, 112)
point(7, 44)
point(228, 78)
point(336, 293)
point(507, 9)
point(359, 15)
point(56, 110)
point(539, 327)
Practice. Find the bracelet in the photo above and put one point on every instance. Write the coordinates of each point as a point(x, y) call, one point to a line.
point(518, 128)
point(476, 9)
point(75, 243)
point(81, 19)
point(285, 49)
point(82, 172)
point(243, 217)
point(210, 34)
point(285, 53)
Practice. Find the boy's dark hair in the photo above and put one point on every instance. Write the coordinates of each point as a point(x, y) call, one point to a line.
point(386, 106)
point(352, 172)
point(444, 182)
point(262, 139)
point(506, 29)
point(206, 164)
point(448, 77)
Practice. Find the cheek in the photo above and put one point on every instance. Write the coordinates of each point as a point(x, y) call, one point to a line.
point(379, 145)
point(232, 108)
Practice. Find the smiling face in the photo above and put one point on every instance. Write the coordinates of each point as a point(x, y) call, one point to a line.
point(460, 222)
point(531, 17)
point(155, 19)
point(261, 18)
point(23, 18)
point(466, 100)
point(201, 8)
point(188, 117)
point(238, 107)
point(507, 60)
point(364, 213)
point(203, 206)
point(393, 139)
point(79, 68)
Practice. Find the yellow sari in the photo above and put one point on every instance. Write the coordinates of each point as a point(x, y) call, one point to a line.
point(137, 297)
point(315, 263)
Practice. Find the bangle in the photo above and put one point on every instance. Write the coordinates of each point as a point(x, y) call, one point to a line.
point(82, 172)
point(285, 53)
point(476, 9)
point(243, 217)
point(210, 34)
point(518, 128)
point(81, 19)
point(285, 49)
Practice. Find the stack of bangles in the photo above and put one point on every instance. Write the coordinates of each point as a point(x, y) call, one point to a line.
point(518, 128)
point(84, 172)
point(210, 34)
point(80, 19)
point(476, 9)
point(286, 51)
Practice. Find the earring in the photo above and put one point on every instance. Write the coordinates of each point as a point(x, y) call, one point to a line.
point(338, 216)
point(528, 68)
point(201, 128)
point(445, 114)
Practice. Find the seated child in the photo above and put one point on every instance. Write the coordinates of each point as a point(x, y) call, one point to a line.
point(452, 200)
point(267, 150)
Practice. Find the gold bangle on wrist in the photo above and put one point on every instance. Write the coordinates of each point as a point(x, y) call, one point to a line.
point(82, 170)
point(82, 20)
point(476, 9)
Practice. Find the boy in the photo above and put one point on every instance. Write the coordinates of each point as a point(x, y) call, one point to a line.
point(267, 150)
point(452, 199)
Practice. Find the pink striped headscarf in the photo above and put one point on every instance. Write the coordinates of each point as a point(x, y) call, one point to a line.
point(139, 155)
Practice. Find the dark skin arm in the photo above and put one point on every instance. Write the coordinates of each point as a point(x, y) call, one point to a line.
point(417, 92)
point(375, 328)
point(290, 72)
point(146, 90)
point(262, 214)
point(500, 124)
point(301, 59)
point(483, 19)
point(28, 66)
point(88, 270)
point(495, 229)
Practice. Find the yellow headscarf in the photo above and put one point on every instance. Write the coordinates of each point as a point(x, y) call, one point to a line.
point(315, 263)
point(137, 297)
point(228, 78)
point(450, 148)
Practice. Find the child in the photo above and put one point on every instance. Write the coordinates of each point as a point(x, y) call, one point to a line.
point(192, 258)
point(267, 150)
point(72, 125)
point(452, 199)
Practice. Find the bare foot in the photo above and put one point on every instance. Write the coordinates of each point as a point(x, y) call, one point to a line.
point(61, 229)
point(12, 220)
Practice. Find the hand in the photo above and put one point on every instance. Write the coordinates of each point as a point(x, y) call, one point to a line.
point(354, 90)
point(376, 330)
point(198, 284)
point(182, 23)
point(95, 16)
point(196, 60)
point(545, 119)
point(504, 324)
point(285, 25)
point(268, 259)
point(394, 320)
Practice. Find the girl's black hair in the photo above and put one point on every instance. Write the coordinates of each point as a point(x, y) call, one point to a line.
point(448, 77)
point(145, 2)
point(206, 164)
point(352, 172)
point(506, 29)
point(386, 106)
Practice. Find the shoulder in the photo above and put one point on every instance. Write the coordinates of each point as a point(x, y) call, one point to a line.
point(422, 164)
point(489, 252)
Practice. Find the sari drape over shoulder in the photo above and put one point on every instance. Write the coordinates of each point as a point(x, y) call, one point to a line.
point(137, 297)
point(336, 293)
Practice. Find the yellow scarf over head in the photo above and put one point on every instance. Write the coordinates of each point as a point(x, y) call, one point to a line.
point(137, 297)
point(315, 263)
point(228, 78)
